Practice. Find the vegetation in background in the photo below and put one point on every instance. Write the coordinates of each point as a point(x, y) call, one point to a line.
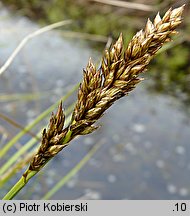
point(171, 78)
point(117, 75)
point(171, 73)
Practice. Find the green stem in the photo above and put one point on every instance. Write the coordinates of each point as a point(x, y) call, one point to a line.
point(19, 185)
point(29, 174)
point(16, 167)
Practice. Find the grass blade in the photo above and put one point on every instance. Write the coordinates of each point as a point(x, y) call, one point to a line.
point(26, 147)
point(73, 171)
point(5, 149)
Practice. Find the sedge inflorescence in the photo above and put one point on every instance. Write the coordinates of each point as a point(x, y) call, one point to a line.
point(100, 88)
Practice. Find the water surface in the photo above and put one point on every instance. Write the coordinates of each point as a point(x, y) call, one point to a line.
point(146, 135)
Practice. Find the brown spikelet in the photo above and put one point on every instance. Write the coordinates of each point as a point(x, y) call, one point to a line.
point(100, 88)
point(51, 142)
point(120, 69)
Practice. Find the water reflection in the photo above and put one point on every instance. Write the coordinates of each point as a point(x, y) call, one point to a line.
point(146, 147)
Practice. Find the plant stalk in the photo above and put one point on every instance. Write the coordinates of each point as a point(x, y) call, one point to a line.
point(28, 174)
point(19, 185)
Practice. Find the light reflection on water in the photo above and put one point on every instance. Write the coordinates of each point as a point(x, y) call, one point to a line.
point(145, 155)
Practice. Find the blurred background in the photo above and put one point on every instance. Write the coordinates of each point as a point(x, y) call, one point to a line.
point(145, 137)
